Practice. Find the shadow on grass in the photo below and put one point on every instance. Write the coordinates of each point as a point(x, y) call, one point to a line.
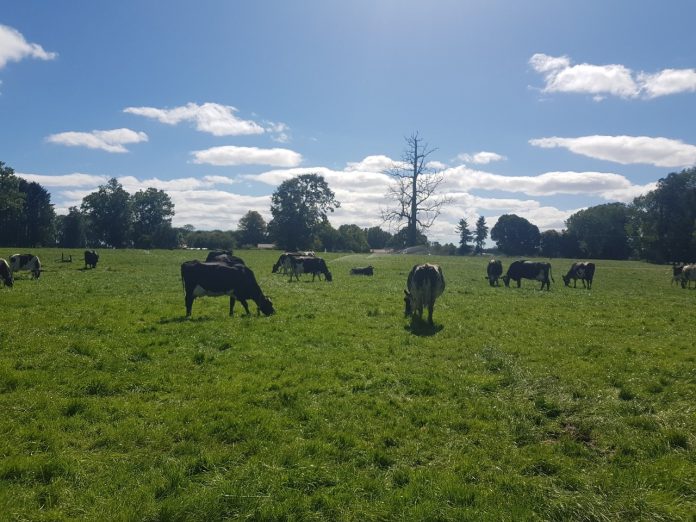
point(184, 319)
point(422, 328)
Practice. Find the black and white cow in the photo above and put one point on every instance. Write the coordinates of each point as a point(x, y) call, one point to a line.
point(677, 273)
point(536, 270)
point(282, 263)
point(28, 262)
point(91, 259)
point(5, 273)
point(425, 283)
point(493, 271)
point(362, 270)
point(218, 279)
point(688, 274)
point(583, 271)
point(316, 266)
point(225, 257)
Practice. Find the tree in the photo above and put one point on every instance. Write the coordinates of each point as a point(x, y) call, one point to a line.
point(299, 205)
point(465, 236)
point(153, 210)
point(558, 244)
point(377, 238)
point(413, 194)
point(600, 231)
point(11, 205)
point(480, 235)
point(515, 235)
point(352, 238)
point(71, 232)
point(251, 229)
point(108, 211)
point(400, 239)
point(37, 223)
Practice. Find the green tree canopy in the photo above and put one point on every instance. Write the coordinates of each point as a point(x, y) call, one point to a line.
point(153, 210)
point(72, 229)
point(377, 238)
point(251, 229)
point(109, 215)
point(600, 231)
point(465, 237)
point(515, 236)
point(299, 205)
point(352, 238)
point(480, 234)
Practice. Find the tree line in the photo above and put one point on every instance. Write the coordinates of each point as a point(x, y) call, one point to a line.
point(659, 226)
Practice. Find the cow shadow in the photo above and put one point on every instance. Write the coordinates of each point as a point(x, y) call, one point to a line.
point(422, 328)
point(184, 319)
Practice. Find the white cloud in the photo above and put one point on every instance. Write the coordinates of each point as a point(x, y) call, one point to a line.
point(481, 158)
point(213, 118)
point(66, 180)
point(13, 47)
point(668, 81)
point(661, 152)
point(378, 163)
point(233, 155)
point(108, 140)
point(613, 79)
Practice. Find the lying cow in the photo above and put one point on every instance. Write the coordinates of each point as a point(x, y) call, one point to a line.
point(91, 259)
point(493, 271)
point(688, 274)
point(364, 270)
point(583, 271)
point(217, 279)
point(316, 266)
point(538, 271)
point(26, 262)
point(425, 283)
point(5, 273)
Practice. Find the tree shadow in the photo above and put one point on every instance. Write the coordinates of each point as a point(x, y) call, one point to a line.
point(422, 328)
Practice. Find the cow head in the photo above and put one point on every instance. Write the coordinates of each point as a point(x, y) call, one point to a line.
point(7, 279)
point(408, 303)
point(566, 280)
point(329, 278)
point(266, 306)
point(506, 280)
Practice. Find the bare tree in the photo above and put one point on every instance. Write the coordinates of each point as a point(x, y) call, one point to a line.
point(413, 196)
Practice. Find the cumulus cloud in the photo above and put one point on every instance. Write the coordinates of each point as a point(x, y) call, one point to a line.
point(108, 140)
point(213, 118)
point(661, 152)
point(67, 180)
point(232, 155)
point(481, 158)
point(14, 48)
point(378, 163)
point(613, 79)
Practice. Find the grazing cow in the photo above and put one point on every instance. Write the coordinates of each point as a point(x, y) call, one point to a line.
point(26, 262)
point(91, 258)
point(493, 271)
point(217, 279)
point(225, 257)
point(5, 273)
point(363, 270)
point(316, 266)
point(282, 265)
point(425, 283)
point(582, 271)
point(537, 271)
point(688, 274)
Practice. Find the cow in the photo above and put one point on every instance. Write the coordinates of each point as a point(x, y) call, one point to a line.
point(225, 257)
point(425, 283)
point(281, 263)
point(91, 259)
point(316, 266)
point(6, 273)
point(28, 262)
point(217, 279)
point(583, 271)
point(688, 274)
point(538, 271)
point(677, 273)
point(363, 270)
point(493, 271)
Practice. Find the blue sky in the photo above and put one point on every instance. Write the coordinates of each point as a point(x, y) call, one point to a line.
point(537, 108)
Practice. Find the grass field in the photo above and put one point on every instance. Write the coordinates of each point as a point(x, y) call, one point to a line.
point(518, 405)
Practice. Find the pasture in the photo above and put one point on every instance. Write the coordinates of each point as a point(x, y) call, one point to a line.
point(518, 405)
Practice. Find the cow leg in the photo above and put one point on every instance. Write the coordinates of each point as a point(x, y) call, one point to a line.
point(188, 300)
point(245, 305)
point(430, 313)
point(232, 301)
point(519, 283)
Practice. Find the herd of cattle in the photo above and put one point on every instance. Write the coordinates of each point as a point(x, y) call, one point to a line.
point(225, 274)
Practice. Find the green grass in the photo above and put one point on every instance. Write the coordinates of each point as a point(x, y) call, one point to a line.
point(518, 405)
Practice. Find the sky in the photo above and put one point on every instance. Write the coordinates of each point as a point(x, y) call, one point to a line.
point(538, 108)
